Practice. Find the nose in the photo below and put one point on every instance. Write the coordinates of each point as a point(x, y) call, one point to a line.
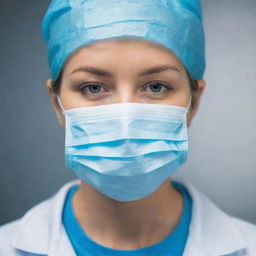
point(127, 94)
point(127, 98)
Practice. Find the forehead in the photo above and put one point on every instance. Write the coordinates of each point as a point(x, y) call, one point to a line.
point(132, 50)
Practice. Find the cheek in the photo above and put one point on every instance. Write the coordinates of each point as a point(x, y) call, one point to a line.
point(71, 98)
point(178, 97)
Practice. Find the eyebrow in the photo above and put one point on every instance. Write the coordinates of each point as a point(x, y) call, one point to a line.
point(100, 72)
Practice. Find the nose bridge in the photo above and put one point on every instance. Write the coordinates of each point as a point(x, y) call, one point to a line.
point(126, 92)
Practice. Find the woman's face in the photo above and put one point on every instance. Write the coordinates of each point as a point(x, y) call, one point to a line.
point(115, 71)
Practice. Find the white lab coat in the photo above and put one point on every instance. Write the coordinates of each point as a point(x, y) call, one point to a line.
point(212, 232)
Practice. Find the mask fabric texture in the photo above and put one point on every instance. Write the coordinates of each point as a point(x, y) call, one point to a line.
point(174, 24)
point(126, 150)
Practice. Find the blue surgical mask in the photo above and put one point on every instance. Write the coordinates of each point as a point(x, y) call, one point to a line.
point(126, 150)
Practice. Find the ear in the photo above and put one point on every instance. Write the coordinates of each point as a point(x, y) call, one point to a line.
point(195, 101)
point(55, 104)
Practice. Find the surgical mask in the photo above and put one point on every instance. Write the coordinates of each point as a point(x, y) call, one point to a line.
point(126, 150)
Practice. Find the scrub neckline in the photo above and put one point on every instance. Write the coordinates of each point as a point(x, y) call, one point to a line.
point(172, 238)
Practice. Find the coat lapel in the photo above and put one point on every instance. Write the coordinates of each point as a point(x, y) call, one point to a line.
point(212, 232)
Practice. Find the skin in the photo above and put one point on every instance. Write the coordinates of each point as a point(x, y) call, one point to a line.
point(139, 223)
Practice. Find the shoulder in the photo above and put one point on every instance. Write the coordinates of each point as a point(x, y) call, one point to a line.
point(216, 232)
point(33, 232)
point(248, 231)
point(36, 220)
point(6, 234)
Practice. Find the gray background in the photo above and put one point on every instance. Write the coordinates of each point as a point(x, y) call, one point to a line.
point(222, 158)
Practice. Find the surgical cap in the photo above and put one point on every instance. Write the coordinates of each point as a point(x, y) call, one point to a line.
point(175, 24)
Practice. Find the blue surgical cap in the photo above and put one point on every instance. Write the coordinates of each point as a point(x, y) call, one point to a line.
point(175, 24)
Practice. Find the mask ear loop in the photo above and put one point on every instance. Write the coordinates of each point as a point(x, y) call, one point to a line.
point(189, 103)
point(188, 107)
point(62, 109)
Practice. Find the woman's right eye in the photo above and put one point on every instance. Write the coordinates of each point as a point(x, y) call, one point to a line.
point(91, 88)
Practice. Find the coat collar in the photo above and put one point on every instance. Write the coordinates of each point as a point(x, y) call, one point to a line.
point(211, 228)
point(41, 230)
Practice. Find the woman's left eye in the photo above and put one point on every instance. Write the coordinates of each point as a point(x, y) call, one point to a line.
point(158, 87)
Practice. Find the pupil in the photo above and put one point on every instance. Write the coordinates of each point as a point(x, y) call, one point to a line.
point(94, 88)
point(156, 87)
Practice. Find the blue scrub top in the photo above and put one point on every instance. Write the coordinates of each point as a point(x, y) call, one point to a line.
point(173, 244)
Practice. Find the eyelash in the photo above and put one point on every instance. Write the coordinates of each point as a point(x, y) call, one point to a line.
point(86, 85)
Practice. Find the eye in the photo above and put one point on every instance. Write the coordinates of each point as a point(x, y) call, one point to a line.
point(91, 88)
point(158, 87)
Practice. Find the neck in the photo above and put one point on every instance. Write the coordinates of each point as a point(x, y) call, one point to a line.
point(128, 225)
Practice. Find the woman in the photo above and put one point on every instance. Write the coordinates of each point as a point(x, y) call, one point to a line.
point(126, 82)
